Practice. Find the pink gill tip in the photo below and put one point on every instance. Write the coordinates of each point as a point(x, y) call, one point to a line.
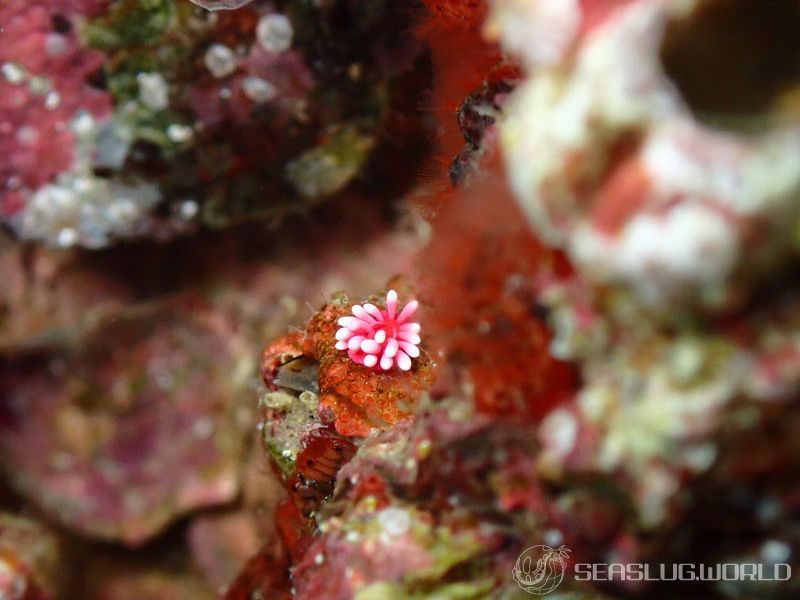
point(380, 339)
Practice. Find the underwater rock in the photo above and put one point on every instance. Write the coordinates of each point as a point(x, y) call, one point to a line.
point(671, 211)
point(31, 560)
point(222, 545)
point(124, 436)
point(224, 541)
point(151, 583)
point(43, 90)
point(615, 399)
point(619, 154)
point(127, 118)
point(48, 298)
point(357, 397)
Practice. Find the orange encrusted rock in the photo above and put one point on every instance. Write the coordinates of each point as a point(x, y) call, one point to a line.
point(361, 398)
point(358, 397)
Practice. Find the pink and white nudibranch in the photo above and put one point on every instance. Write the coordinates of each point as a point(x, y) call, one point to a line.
point(380, 339)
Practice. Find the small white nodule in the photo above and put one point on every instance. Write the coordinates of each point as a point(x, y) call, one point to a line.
point(275, 32)
point(259, 90)
point(220, 60)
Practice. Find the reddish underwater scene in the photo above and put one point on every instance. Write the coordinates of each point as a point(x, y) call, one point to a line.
point(399, 299)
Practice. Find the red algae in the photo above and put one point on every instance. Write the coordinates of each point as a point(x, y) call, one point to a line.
point(480, 275)
point(295, 529)
point(465, 13)
point(462, 59)
point(264, 576)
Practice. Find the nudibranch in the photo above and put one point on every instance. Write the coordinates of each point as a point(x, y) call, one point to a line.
point(380, 339)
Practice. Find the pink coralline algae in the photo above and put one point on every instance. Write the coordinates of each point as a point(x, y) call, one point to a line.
point(378, 338)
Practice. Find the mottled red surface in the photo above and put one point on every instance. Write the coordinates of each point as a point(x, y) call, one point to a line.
point(296, 529)
point(345, 566)
point(456, 470)
point(467, 13)
point(462, 59)
point(266, 575)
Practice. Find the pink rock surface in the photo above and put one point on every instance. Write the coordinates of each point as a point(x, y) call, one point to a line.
point(134, 431)
point(221, 543)
point(43, 87)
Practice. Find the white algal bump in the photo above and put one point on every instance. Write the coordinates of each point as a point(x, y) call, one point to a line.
point(776, 551)
point(352, 537)
point(179, 133)
point(67, 237)
point(52, 100)
point(83, 124)
point(153, 90)
point(27, 135)
point(54, 198)
point(40, 86)
point(275, 32)
point(559, 431)
point(13, 73)
point(55, 44)
point(259, 90)
point(189, 209)
point(220, 60)
point(394, 521)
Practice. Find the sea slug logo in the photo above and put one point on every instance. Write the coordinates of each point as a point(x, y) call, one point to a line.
point(540, 569)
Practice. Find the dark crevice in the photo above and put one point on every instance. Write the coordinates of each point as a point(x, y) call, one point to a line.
point(734, 57)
